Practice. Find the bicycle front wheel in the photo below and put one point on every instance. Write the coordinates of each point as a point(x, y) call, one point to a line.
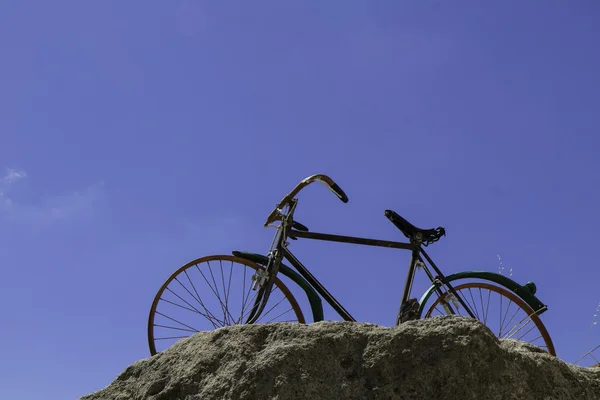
point(505, 313)
point(213, 292)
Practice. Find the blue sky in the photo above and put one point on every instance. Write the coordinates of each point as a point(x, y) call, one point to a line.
point(137, 136)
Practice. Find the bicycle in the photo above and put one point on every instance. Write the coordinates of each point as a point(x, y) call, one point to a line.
point(454, 292)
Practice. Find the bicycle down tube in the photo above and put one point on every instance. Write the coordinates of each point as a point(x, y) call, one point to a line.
point(317, 285)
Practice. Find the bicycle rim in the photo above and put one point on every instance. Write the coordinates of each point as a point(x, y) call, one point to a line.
point(212, 292)
point(506, 314)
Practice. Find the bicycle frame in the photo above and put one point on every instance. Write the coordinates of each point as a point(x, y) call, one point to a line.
point(279, 251)
point(415, 262)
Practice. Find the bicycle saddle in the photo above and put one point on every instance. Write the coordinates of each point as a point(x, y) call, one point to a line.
point(427, 236)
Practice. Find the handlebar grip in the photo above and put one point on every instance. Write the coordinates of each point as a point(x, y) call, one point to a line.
point(339, 192)
point(328, 183)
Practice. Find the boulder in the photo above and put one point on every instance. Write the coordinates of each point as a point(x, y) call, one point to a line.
point(435, 358)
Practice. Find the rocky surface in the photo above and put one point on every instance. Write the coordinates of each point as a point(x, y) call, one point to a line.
point(436, 358)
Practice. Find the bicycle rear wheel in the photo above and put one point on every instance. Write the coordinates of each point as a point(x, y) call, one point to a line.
point(505, 313)
point(213, 292)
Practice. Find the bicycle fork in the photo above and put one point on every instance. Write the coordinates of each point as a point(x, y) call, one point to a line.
point(262, 284)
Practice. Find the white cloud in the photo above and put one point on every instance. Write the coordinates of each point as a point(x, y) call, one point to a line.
point(46, 209)
point(12, 175)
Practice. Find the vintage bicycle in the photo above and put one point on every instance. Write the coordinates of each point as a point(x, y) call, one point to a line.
point(260, 295)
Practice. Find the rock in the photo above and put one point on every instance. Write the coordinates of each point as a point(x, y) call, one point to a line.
point(435, 358)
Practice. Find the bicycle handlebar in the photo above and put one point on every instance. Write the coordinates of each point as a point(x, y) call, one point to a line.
point(324, 179)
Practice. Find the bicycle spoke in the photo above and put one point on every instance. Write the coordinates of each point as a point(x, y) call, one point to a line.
point(182, 299)
point(471, 306)
point(276, 304)
point(243, 297)
point(520, 322)
point(185, 308)
point(474, 306)
point(283, 313)
point(217, 291)
point(505, 314)
point(253, 302)
point(229, 283)
point(514, 314)
point(224, 290)
point(525, 334)
point(179, 322)
point(501, 298)
point(536, 339)
point(209, 285)
point(487, 308)
point(528, 318)
point(245, 301)
point(172, 327)
point(521, 327)
point(256, 295)
point(198, 299)
point(171, 337)
point(185, 301)
point(194, 297)
point(514, 330)
point(481, 300)
point(214, 290)
point(511, 319)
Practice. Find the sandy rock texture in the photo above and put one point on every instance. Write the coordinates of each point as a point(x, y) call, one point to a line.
point(435, 358)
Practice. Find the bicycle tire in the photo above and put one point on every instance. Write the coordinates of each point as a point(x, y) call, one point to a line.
point(462, 289)
point(194, 297)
